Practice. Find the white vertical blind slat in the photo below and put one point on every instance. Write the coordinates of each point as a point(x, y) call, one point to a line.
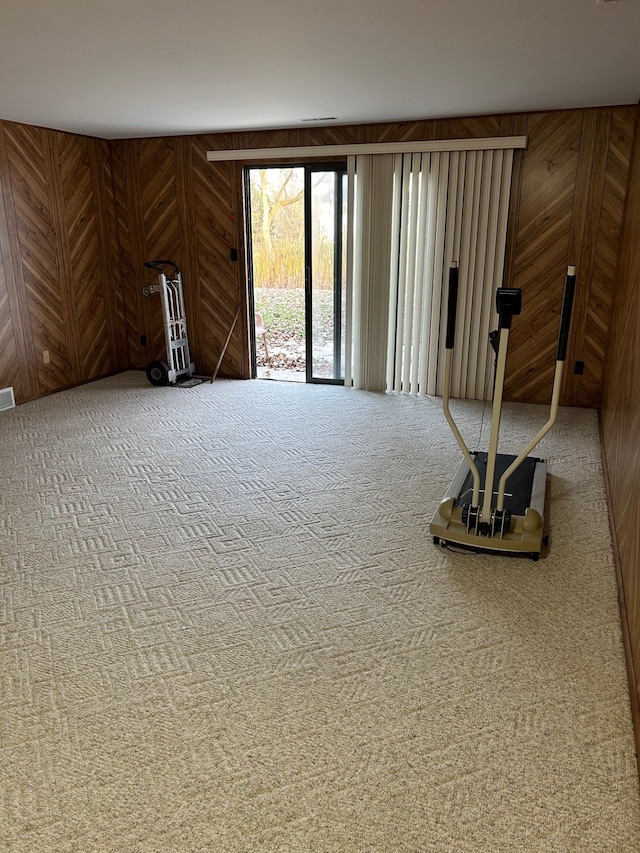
point(404, 176)
point(432, 205)
point(447, 257)
point(371, 309)
point(414, 207)
point(485, 362)
point(395, 269)
point(414, 215)
point(419, 272)
point(501, 229)
point(461, 350)
point(457, 251)
point(484, 291)
point(432, 169)
point(473, 328)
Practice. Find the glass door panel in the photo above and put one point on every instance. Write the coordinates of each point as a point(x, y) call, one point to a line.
point(276, 270)
point(325, 273)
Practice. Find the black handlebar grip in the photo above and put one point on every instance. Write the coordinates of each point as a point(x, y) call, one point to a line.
point(452, 305)
point(156, 265)
point(567, 308)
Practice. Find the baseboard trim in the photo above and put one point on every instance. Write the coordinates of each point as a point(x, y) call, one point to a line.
point(626, 635)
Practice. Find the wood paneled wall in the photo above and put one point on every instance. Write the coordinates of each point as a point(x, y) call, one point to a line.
point(174, 205)
point(567, 202)
point(79, 218)
point(620, 419)
point(56, 294)
point(569, 209)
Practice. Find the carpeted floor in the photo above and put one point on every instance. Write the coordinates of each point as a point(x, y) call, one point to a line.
point(225, 628)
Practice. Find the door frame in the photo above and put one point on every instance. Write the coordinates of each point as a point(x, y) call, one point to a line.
point(339, 166)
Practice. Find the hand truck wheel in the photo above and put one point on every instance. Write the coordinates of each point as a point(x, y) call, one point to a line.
point(158, 373)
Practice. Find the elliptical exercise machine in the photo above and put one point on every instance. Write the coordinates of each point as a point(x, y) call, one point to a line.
point(178, 362)
point(485, 518)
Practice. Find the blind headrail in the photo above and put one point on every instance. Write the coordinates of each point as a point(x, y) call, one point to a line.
point(298, 152)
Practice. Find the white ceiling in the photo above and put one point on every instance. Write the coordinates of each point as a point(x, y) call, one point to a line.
point(127, 68)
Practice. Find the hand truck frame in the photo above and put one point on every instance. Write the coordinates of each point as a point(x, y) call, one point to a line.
point(178, 363)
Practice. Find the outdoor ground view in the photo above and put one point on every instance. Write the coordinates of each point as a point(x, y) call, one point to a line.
point(278, 267)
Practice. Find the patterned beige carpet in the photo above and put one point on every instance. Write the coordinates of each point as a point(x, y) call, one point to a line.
point(225, 628)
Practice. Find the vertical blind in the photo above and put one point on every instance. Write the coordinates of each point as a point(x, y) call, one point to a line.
point(370, 249)
point(414, 214)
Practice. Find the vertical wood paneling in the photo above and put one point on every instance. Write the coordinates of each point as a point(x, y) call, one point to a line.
point(620, 413)
point(157, 188)
point(335, 135)
point(139, 308)
point(596, 128)
point(9, 367)
point(122, 258)
point(598, 150)
point(407, 131)
point(33, 196)
point(218, 217)
point(472, 128)
point(261, 139)
point(517, 126)
point(545, 210)
point(101, 167)
point(188, 239)
point(15, 365)
point(179, 208)
point(53, 259)
point(63, 216)
point(608, 206)
point(87, 290)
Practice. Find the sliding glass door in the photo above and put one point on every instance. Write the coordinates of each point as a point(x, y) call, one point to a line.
point(297, 267)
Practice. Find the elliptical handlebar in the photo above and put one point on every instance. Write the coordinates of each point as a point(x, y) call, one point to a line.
point(157, 265)
point(567, 309)
point(563, 337)
point(452, 305)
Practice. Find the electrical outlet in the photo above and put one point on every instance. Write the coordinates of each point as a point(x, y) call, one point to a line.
point(45, 356)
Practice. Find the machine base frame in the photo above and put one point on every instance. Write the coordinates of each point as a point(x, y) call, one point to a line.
point(525, 535)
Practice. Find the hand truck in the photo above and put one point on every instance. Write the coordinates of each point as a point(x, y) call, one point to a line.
point(178, 362)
